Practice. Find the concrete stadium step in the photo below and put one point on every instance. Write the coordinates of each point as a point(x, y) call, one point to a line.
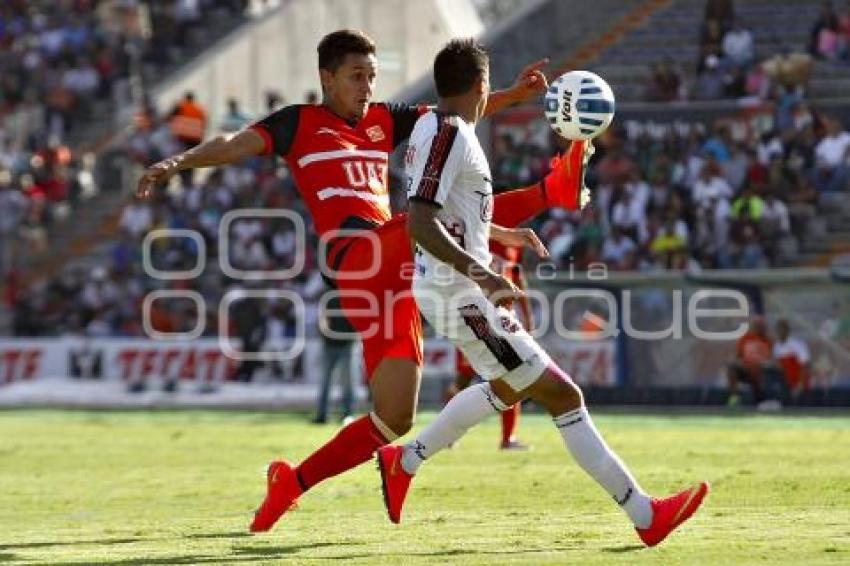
point(830, 87)
point(834, 239)
point(86, 225)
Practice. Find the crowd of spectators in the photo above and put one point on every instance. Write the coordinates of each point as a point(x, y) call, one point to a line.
point(830, 34)
point(729, 67)
point(683, 197)
point(63, 65)
point(107, 300)
point(666, 197)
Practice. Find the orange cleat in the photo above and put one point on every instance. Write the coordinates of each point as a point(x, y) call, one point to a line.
point(394, 480)
point(564, 184)
point(669, 513)
point(282, 494)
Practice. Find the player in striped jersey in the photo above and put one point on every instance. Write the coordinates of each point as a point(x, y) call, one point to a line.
point(451, 222)
point(337, 152)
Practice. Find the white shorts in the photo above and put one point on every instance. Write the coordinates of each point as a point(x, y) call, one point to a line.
point(492, 339)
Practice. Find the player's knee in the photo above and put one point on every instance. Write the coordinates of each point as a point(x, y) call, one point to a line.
point(398, 421)
point(402, 425)
point(557, 392)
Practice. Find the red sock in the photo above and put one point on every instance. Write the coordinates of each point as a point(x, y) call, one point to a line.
point(351, 446)
point(509, 422)
point(512, 208)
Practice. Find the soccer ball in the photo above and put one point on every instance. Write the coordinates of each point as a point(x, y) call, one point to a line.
point(579, 105)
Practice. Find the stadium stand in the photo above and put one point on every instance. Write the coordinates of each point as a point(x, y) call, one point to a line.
point(66, 69)
point(681, 184)
point(745, 184)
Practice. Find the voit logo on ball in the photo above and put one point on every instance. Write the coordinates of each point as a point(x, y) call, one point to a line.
point(579, 105)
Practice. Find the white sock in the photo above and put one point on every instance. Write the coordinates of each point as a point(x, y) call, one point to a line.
point(595, 457)
point(465, 410)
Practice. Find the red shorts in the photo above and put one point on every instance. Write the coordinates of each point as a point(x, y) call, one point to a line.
point(380, 304)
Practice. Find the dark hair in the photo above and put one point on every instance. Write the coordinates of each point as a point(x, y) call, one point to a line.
point(335, 46)
point(458, 65)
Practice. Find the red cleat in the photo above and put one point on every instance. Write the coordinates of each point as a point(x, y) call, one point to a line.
point(564, 184)
point(394, 480)
point(281, 496)
point(669, 513)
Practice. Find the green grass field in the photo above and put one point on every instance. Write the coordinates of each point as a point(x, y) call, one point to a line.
point(180, 488)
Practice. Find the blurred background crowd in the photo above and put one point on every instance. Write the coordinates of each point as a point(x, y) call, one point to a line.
point(673, 196)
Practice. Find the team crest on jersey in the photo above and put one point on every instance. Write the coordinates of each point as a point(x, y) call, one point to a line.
point(375, 133)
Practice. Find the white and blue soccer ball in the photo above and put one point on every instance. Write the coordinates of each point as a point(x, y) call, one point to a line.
point(579, 105)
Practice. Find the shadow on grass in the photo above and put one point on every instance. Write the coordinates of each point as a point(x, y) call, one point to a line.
point(25, 545)
point(260, 552)
point(186, 559)
point(232, 534)
point(6, 557)
point(455, 552)
point(248, 555)
point(624, 548)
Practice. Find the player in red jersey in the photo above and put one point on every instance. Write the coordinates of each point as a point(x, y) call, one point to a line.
point(337, 152)
point(508, 260)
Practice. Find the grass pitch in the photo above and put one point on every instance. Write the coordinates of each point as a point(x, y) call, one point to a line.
point(180, 488)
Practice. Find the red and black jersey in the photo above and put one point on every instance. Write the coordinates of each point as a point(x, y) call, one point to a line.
point(340, 167)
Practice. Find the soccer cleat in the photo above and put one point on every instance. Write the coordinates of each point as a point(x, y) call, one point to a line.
point(395, 481)
point(670, 512)
point(282, 492)
point(564, 184)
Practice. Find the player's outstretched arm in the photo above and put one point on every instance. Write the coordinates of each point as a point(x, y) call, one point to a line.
point(530, 82)
point(220, 150)
point(430, 234)
point(518, 238)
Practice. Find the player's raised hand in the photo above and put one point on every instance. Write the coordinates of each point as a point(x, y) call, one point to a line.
point(531, 81)
point(519, 238)
point(156, 175)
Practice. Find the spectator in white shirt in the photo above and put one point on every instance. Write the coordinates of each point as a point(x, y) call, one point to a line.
point(831, 150)
point(738, 46)
point(792, 356)
point(774, 216)
point(769, 146)
point(618, 250)
point(710, 184)
point(136, 219)
point(832, 172)
point(628, 214)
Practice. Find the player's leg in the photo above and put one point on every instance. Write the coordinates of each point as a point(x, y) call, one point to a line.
point(470, 321)
point(464, 374)
point(562, 188)
point(394, 385)
point(733, 372)
point(392, 348)
point(510, 420)
point(654, 519)
point(510, 416)
point(502, 345)
point(562, 399)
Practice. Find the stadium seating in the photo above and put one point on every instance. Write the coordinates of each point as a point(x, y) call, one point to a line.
point(544, 28)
